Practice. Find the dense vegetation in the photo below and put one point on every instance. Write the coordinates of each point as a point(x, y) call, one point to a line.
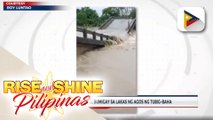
point(88, 17)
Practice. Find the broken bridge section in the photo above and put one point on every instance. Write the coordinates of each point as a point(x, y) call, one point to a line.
point(113, 28)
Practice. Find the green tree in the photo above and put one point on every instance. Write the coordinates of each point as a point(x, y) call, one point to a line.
point(133, 13)
point(87, 17)
point(128, 12)
point(111, 12)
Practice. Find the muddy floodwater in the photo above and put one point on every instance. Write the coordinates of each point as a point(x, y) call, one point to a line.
point(115, 65)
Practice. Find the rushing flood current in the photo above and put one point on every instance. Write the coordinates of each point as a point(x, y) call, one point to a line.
point(115, 64)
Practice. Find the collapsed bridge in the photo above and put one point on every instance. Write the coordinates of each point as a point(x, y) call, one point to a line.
point(110, 29)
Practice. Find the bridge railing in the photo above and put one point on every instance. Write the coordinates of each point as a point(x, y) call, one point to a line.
point(131, 26)
point(106, 23)
point(94, 34)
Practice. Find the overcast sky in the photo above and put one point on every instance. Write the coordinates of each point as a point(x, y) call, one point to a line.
point(98, 10)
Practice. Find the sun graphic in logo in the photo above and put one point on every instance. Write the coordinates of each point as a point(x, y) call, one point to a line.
point(47, 88)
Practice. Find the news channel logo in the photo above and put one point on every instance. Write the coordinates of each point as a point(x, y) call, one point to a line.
point(191, 19)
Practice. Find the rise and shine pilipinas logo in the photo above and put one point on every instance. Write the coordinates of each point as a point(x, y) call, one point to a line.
point(48, 95)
